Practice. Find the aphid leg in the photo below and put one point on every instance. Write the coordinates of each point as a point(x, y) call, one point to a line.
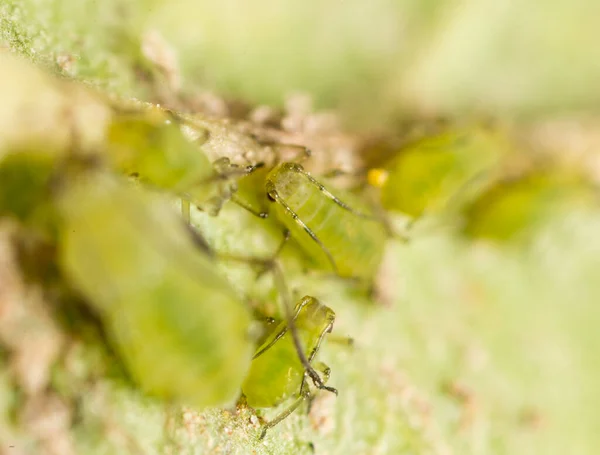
point(304, 395)
point(199, 241)
point(286, 236)
point(274, 195)
point(246, 207)
point(387, 225)
point(224, 171)
point(300, 170)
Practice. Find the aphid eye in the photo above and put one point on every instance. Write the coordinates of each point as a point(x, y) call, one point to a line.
point(270, 197)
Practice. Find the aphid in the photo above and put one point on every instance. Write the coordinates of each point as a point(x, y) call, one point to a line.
point(433, 173)
point(337, 236)
point(514, 205)
point(149, 144)
point(182, 332)
point(276, 374)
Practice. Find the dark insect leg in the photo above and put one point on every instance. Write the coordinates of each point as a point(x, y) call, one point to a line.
point(304, 395)
point(246, 207)
point(274, 195)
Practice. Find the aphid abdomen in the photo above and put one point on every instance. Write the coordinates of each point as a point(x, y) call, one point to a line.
point(339, 240)
point(181, 331)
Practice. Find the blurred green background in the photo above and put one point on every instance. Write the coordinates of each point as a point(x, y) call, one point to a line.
point(376, 60)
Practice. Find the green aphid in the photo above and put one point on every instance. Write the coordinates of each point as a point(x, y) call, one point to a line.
point(182, 332)
point(333, 230)
point(276, 373)
point(150, 145)
point(514, 206)
point(434, 173)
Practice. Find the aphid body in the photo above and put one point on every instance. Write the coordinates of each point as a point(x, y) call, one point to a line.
point(183, 333)
point(276, 373)
point(335, 234)
point(426, 175)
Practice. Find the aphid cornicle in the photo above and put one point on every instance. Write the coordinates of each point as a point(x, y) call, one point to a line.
point(276, 374)
point(334, 231)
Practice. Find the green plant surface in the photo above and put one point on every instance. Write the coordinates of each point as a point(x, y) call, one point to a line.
point(373, 62)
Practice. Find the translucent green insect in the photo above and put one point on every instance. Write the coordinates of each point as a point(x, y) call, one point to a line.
point(276, 373)
point(150, 145)
point(424, 177)
point(514, 206)
point(333, 229)
point(183, 334)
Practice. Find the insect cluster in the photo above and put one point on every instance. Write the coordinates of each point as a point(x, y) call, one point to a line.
point(98, 184)
point(103, 201)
